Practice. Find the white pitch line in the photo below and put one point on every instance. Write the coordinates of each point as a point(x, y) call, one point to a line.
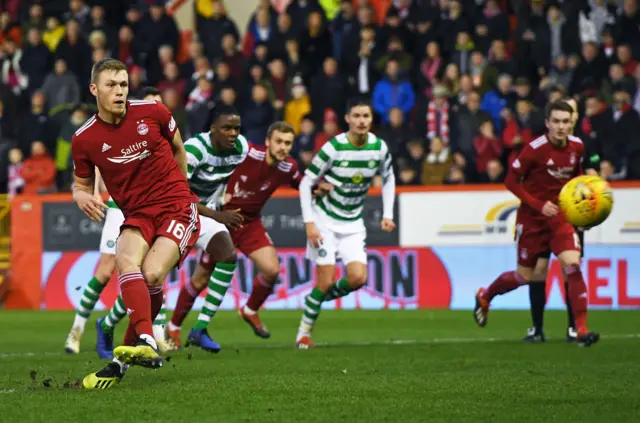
point(391, 342)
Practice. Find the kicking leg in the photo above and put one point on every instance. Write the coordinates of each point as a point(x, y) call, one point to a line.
point(506, 282)
point(223, 253)
point(90, 297)
point(267, 262)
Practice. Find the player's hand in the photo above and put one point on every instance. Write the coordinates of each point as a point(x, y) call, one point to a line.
point(231, 219)
point(91, 205)
point(549, 209)
point(388, 225)
point(591, 172)
point(322, 189)
point(313, 235)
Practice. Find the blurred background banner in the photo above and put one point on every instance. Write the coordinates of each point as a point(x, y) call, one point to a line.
point(449, 242)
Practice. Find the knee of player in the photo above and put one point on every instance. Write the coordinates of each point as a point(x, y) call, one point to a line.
point(153, 276)
point(125, 264)
point(271, 272)
point(357, 279)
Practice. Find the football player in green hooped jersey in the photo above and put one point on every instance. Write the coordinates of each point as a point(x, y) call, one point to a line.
point(334, 223)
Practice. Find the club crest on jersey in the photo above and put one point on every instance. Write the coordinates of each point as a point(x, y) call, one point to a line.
point(344, 164)
point(372, 164)
point(143, 129)
point(357, 178)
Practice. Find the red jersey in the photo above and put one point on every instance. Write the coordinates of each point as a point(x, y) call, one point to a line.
point(253, 181)
point(541, 170)
point(134, 157)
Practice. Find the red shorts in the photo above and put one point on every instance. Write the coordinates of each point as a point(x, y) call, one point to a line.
point(538, 239)
point(250, 237)
point(179, 222)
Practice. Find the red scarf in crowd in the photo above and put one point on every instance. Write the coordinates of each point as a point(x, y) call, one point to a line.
point(432, 121)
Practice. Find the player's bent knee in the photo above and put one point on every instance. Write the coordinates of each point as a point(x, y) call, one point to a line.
point(153, 275)
point(357, 279)
point(569, 258)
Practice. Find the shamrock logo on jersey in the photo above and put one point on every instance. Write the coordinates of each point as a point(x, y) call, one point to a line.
point(372, 164)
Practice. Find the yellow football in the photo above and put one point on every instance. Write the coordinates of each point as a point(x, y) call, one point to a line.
point(586, 201)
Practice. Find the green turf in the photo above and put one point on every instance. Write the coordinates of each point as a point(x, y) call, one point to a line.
point(442, 368)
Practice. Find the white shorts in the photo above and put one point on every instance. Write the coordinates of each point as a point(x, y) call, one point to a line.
point(111, 231)
point(348, 247)
point(208, 229)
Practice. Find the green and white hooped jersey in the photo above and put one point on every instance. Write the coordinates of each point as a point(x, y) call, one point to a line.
point(208, 170)
point(351, 170)
point(112, 204)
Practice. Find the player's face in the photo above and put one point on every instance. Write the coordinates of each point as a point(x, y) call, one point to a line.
point(111, 91)
point(359, 119)
point(280, 145)
point(225, 131)
point(157, 98)
point(559, 125)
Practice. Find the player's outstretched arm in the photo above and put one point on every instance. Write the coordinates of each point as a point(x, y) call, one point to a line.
point(179, 153)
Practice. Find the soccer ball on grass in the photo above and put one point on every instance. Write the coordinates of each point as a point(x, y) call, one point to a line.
point(586, 201)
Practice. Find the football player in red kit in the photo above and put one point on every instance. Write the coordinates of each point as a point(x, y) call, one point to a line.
point(248, 189)
point(536, 178)
point(138, 150)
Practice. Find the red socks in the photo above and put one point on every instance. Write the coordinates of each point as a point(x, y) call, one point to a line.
point(506, 282)
point(259, 293)
point(157, 296)
point(186, 298)
point(578, 297)
point(135, 295)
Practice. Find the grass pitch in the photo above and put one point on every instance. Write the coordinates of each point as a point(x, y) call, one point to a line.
point(382, 366)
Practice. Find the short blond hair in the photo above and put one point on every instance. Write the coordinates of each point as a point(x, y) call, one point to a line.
point(104, 65)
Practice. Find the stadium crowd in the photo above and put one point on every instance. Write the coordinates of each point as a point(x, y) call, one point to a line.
point(458, 86)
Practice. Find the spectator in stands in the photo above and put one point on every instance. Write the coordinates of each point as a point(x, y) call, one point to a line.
point(232, 56)
point(636, 99)
point(202, 69)
point(315, 42)
point(12, 74)
point(328, 91)
point(616, 78)
point(431, 68)
point(344, 27)
point(229, 96)
point(61, 86)
point(172, 80)
point(35, 19)
point(199, 106)
point(258, 115)
point(299, 105)
point(394, 90)
point(466, 88)
point(53, 34)
point(284, 31)
point(561, 74)
point(9, 30)
point(397, 132)
point(395, 51)
point(628, 30)
point(305, 142)
point(38, 171)
point(259, 31)
point(622, 145)
point(36, 60)
point(464, 47)
point(76, 53)
point(484, 76)
point(330, 129)
point(212, 30)
point(556, 36)
point(300, 10)
point(521, 128)
point(591, 71)
point(172, 99)
point(222, 77)
point(437, 163)
point(35, 125)
point(466, 125)
point(127, 50)
point(14, 177)
point(64, 162)
point(97, 22)
point(393, 28)
point(279, 84)
point(435, 120)
point(408, 163)
point(361, 67)
point(494, 173)
point(497, 102)
point(156, 30)
point(79, 12)
point(487, 146)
